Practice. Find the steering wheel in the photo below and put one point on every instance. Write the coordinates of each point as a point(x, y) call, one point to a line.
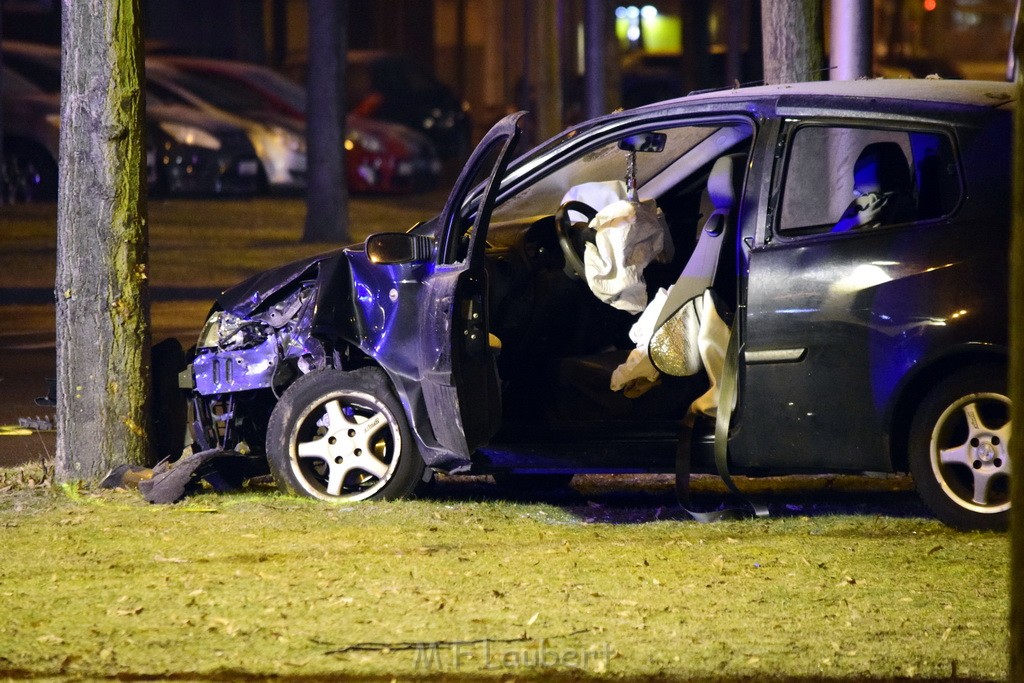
point(572, 238)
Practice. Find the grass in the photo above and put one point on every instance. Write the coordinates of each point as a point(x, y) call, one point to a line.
point(593, 585)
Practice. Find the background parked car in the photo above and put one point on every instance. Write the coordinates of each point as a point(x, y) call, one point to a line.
point(31, 141)
point(279, 142)
point(381, 156)
point(187, 151)
point(392, 87)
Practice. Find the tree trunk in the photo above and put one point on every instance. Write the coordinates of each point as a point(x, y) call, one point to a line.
point(101, 288)
point(696, 41)
point(594, 44)
point(3, 160)
point(326, 192)
point(1017, 380)
point(792, 34)
point(546, 72)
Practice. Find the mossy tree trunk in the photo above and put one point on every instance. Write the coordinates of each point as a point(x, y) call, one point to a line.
point(326, 191)
point(792, 35)
point(101, 289)
point(1017, 380)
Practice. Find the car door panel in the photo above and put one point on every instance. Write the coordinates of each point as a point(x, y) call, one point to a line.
point(459, 377)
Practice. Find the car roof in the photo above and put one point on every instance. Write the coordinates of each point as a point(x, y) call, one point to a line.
point(930, 91)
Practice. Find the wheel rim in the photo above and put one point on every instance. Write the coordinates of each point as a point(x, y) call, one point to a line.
point(970, 452)
point(346, 447)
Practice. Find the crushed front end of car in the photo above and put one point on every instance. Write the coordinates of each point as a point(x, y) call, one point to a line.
point(259, 337)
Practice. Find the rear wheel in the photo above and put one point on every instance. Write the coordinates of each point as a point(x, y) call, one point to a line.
point(959, 449)
point(342, 436)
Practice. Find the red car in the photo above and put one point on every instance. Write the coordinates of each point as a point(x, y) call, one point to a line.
point(381, 156)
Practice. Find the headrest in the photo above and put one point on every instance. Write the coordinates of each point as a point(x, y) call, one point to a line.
point(726, 180)
point(881, 167)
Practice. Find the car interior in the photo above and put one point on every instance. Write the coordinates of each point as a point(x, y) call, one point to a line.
point(559, 342)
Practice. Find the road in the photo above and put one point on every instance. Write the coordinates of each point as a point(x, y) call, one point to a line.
point(27, 359)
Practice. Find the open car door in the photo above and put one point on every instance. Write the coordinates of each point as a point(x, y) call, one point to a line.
point(460, 382)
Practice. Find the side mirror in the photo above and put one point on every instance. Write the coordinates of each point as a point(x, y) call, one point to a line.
point(644, 142)
point(390, 248)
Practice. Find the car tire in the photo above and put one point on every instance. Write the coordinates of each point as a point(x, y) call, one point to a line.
point(959, 454)
point(169, 405)
point(367, 454)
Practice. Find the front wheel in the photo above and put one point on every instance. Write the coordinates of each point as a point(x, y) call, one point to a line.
point(959, 449)
point(341, 437)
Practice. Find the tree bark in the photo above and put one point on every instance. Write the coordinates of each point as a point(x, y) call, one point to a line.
point(594, 44)
point(326, 191)
point(3, 159)
point(546, 74)
point(1017, 380)
point(792, 37)
point(696, 74)
point(101, 289)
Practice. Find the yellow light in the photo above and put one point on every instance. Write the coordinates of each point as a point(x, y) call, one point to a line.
point(349, 145)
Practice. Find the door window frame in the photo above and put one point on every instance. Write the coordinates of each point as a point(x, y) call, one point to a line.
point(791, 125)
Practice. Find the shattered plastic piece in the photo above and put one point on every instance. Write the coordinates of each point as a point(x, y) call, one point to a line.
point(126, 477)
point(172, 481)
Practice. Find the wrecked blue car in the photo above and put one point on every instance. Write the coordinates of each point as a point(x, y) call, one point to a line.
point(818, 272)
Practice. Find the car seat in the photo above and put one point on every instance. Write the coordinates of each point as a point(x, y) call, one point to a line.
point(584, 391)
point(882, 189)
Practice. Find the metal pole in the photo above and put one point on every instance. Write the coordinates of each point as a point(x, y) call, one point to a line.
point(593, 58)
point(851, 31)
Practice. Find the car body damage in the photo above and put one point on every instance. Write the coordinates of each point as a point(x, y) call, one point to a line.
point(852, 236)
point(279, 325)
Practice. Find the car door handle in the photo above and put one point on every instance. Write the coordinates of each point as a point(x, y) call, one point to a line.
point(794, 355)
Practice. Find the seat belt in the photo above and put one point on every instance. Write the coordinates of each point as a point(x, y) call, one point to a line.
point(727, 394)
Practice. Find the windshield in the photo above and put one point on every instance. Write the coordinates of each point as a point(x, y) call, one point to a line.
point(284, 88)
point(222, 92)
point(602, 163)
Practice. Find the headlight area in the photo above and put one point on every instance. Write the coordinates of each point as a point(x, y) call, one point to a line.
point(265, 350)
point(283, 154)
point(190, 135)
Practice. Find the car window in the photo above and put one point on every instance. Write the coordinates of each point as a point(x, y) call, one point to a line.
point(280, 86)
point(839, 179)
point(157, 93)
point(607, 162)
point(223, 92)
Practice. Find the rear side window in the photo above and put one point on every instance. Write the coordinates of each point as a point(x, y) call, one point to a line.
point(839, 179)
